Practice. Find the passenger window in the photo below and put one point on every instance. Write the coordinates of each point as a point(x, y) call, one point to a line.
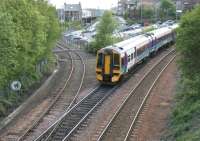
point(132, 56)
point(129, 58)
point(123, 62)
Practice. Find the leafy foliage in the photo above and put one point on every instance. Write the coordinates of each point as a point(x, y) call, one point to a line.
point(186, 115)
point(8, 48)
point(28, 31)
point(148, 12)
point(105, 30)
point(75, 25)
point(167, 9)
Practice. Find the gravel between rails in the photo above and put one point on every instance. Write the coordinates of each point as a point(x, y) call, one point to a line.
point(153, 120)
point(32, 113)
point(68, 92)
point(119, 125)
point(24, 121)
point(92, 128)
point(142, 107)
point(76, 114)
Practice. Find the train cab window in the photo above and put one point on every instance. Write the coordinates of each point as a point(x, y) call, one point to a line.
point(100, 60)
point(116, 61)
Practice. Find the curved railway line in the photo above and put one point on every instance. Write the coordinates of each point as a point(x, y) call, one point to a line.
point(58, 104)
point(74, 113)
point(130, 133)
point(121, 125)
point(73, 120)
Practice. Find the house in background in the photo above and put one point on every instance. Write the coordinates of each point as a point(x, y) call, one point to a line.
point(126, 6)
point(72, 12)
point(189, 4)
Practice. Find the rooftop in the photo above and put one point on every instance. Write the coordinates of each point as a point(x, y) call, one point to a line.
point(72, 7)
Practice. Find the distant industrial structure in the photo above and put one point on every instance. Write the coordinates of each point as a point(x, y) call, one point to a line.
point(133, 8)
point(130, 7)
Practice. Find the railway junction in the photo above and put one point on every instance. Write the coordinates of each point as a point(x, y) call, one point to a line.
point(79, 108)
point(72, 72)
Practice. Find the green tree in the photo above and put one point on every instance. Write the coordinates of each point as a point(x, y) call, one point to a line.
point(28, 32)
point(188, 46)
point(8, 49)
point(76, 25)
point(148, 13)
point(167, 9)
point(185, 119)
point(105, 30)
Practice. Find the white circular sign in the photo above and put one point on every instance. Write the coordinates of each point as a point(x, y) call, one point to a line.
point(16, 86)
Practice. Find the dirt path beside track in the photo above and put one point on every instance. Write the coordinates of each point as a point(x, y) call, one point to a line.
point(155, 117)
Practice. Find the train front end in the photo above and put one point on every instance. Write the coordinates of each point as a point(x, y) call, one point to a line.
point(108, 70)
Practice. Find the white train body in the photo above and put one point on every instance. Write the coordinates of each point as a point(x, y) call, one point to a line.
point(116, 60)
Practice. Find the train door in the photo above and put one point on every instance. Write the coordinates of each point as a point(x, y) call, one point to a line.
point(107, 64)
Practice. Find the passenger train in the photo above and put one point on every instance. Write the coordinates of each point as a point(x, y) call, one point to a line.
point(115, 61)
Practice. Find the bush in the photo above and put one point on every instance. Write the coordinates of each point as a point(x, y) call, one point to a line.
point(28, 32)
point(185, 122)
point(105, 30)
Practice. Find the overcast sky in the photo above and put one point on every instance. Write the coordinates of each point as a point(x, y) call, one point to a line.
point(103, 4)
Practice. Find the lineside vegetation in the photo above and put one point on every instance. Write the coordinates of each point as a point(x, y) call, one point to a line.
point(28, 31)
point(105, 31)
point(185, 122)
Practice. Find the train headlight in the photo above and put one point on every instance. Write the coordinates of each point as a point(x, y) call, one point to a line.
point(98, 72)
point(115, 78)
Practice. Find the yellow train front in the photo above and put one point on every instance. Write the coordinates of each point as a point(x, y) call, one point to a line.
point(108, 66)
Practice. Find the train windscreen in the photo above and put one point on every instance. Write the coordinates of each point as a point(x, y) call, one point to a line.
point(116, 61)
point(100, 60)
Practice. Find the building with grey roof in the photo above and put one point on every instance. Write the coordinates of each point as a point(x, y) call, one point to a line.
point(126, 6)
point(73, 12)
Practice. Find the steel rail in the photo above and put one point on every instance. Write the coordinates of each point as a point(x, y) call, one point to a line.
point(21, 138)
point(78, 91)
point(145, 99)
point(131, 94)
point(93, 98)
point(82, 78)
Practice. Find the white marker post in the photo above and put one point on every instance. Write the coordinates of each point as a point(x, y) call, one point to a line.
point(16, 85)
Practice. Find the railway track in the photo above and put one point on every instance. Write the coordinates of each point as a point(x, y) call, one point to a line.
point(121, 125)
point(130, 134)
point(59, 103)
point(74, 101)
point(68, 123)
